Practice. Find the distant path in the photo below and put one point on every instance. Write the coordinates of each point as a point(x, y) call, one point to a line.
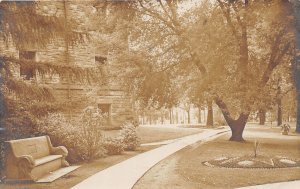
point(125, 174)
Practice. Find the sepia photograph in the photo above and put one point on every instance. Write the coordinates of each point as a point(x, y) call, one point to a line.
point(150, 94)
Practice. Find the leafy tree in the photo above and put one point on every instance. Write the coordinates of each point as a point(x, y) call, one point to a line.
point(296, 67)
point(243, 22)
point(21, 25)
point(241, 44)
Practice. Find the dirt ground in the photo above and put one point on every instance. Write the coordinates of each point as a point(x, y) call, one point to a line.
point(184, 169)
point(86, 170)
point(147, 134)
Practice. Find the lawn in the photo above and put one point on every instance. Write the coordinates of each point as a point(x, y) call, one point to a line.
point(155, 134)
point(185, 168)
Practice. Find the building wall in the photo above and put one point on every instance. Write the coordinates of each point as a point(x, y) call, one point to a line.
point(82, 55)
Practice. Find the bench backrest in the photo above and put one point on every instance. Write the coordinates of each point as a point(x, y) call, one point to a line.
point(37, 147)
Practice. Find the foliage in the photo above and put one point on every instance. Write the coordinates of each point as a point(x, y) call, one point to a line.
point(113, 146)
point(285, 128)
point(241, 46)
point(18, 123)
point(21, 23)
point(83, 137)
point(24, 25)
point(296, 67)
point(128, 136)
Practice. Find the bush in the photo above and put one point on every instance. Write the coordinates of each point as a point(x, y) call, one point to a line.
point(16, 125)
point(285, 128)
point(113, 146)
point(82, 138)
point(220, 121)
point(128, 135)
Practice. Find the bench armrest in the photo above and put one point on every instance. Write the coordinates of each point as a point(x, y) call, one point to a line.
point(61, 150)
point(26, 159)
point(25, 164)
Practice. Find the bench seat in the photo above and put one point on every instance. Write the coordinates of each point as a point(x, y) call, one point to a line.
point(46, 159)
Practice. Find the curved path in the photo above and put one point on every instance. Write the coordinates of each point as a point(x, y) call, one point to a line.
point(125, 174)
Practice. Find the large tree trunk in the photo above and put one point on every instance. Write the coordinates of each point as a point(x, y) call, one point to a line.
point(150, 119)
point(189, 116)
point(262, 116)
point(237, 126)
point(204, 116)
point(162, 120)
point(143, 119)
point(171, 117)
point(210, 114)
point(279, 112)
point(297, 61)
point(199, 115)
point(298, 113)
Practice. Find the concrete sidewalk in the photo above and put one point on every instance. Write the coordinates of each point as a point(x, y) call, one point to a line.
point(125, 174)
point(279, 185)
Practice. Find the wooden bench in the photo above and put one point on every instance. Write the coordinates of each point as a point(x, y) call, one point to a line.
point(32, 158)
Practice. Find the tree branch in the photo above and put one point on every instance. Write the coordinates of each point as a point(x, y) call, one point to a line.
point(164, 8)
point(226, 13)
point(273, 63)
point(158, 16)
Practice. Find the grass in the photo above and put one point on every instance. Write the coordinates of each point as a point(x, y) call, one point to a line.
point(154, 134)
point(190, 162)
point(185, 168)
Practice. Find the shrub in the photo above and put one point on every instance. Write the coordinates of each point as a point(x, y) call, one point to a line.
point(220, 121)
point(91, 123)
point(16, 124)
point(128, 135)
point(113, 146)
point(82, 138)
point(285, 128)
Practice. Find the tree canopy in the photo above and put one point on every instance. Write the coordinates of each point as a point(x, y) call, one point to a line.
point(230, 50)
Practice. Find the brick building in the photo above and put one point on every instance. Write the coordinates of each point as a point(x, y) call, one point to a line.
point(89, 19)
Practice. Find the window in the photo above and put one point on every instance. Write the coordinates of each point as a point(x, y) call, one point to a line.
point(105, 109)
point(25, 71)
point(100, 60)
point(27, 55)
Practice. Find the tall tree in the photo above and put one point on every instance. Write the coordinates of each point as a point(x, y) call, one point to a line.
point(242, 22)
point(242, 42)
point(296, 6)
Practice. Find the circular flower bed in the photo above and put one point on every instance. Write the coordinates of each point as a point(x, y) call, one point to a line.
point(253, 162)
